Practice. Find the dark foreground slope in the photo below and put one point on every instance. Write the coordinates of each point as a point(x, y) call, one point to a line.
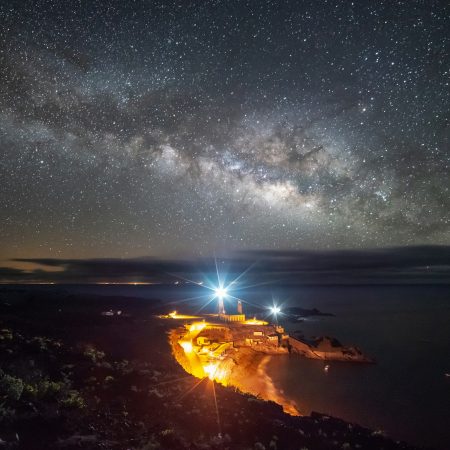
point(72, 378)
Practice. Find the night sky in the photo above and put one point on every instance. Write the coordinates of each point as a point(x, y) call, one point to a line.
point(146, 128)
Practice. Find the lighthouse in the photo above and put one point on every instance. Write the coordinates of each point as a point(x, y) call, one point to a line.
point(221, 306)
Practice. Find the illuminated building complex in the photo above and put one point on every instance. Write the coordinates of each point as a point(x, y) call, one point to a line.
point(239, 317)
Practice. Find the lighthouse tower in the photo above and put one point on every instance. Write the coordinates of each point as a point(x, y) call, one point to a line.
point(221, 306)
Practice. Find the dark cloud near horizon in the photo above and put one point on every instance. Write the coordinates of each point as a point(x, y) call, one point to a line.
point(424, 264)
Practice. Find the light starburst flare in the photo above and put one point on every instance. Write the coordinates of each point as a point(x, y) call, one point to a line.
point(275, 310)
point(221, 292)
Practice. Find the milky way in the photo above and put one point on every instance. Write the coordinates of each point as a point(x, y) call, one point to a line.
point(166, 128)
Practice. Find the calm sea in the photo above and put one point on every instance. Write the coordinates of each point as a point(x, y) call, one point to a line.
point(407, 329)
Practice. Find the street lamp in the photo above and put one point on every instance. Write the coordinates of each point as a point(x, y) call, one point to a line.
point(275, 310)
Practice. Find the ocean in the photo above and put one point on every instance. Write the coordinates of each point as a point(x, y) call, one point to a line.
point(407, 330)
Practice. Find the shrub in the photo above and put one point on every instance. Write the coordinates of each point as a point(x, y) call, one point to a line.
point(31, 391)
point(73, 400)
point(124, 367)
point(93, 354)
point(50, 389)
point(11, 387)
point(40, 343)
point(6, 412)
point(6, 334)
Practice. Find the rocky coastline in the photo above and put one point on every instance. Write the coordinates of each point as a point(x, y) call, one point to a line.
point(328, 349)
point(244, 367)
point(111, 382)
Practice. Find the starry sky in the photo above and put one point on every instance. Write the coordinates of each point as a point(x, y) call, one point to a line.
point(159, 128)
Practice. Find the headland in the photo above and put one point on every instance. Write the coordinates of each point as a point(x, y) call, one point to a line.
point(234, 351)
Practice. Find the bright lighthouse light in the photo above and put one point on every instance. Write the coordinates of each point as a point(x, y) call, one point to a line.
point(275, 309)
point(220, 292)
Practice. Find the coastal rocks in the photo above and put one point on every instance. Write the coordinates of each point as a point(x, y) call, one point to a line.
point(297, 314)
point(243, 368)
point(329, 349)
